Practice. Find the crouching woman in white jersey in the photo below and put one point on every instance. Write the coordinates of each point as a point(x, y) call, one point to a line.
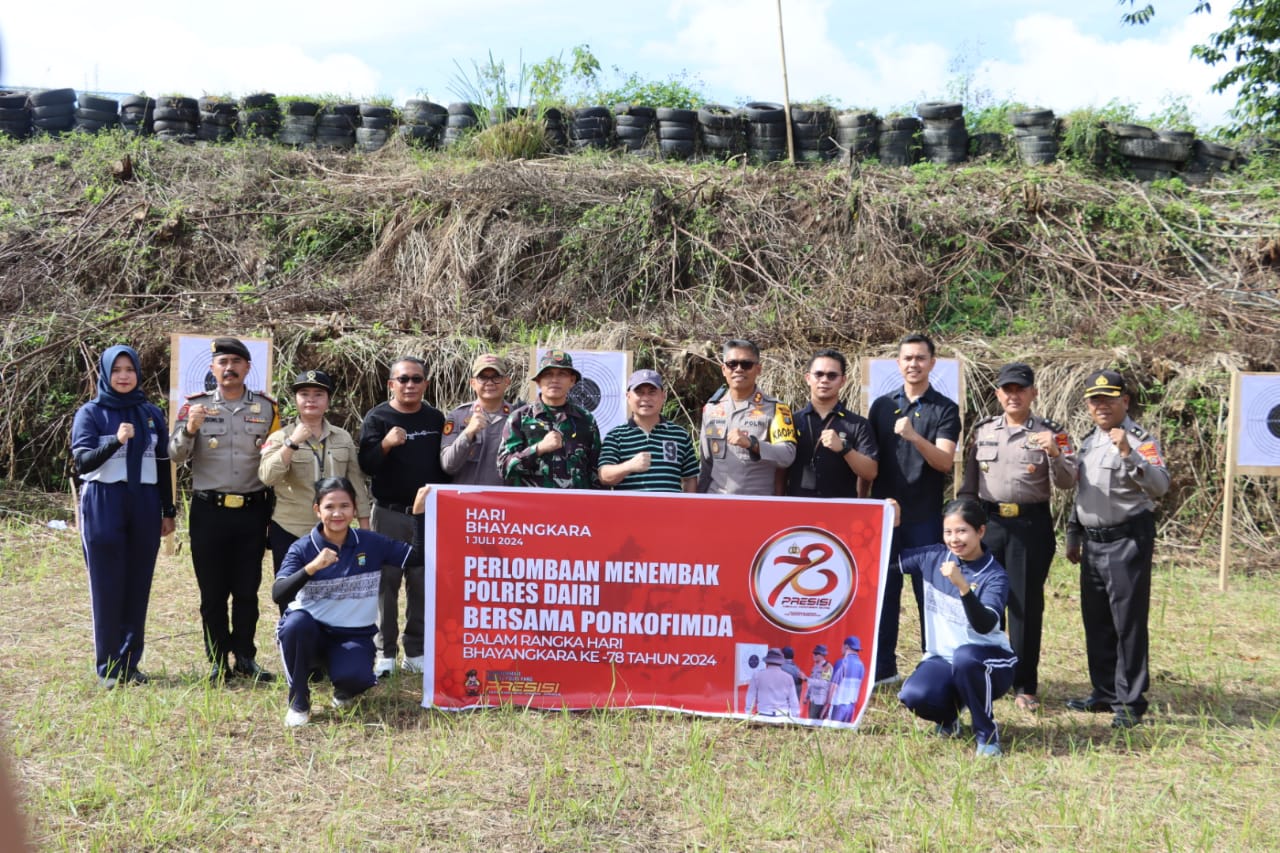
point(968, 662)
point(329, 578)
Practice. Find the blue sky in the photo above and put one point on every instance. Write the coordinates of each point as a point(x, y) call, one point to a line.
point(880, 55)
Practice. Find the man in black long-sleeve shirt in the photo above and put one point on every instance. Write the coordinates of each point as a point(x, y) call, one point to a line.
point(400, 451)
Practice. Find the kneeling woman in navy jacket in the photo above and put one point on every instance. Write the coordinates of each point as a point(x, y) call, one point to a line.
point(968, 662)
point(330, 579)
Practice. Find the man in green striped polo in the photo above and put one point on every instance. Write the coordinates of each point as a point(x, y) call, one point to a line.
point(648, 453)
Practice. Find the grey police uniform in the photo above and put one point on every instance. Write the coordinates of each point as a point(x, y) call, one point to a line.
point(473, 462)
point(1012, 478)
point(729, 469)
point(230, 511)
point(1113, 524)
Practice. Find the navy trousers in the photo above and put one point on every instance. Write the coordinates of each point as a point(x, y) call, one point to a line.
point(974, 679)
point(120, 533)
point(906, 535)
point(305, 643)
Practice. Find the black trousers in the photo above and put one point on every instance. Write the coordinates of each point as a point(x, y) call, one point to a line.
point(1115, 602)
point(226, 551)
point(1025, 547)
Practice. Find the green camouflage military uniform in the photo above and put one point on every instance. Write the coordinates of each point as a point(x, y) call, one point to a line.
point(573, 466)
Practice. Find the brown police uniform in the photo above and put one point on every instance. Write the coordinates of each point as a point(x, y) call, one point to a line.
point(729, 469)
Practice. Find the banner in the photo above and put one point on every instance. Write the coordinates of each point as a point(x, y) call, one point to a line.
point(578, 599)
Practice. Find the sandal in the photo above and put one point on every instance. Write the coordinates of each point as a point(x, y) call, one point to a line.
point(1027, 702)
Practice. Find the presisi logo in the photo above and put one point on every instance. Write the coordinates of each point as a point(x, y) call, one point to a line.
point(803, 579)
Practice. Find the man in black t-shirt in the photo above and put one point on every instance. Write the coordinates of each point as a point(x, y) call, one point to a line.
point(916, 429)
point(400, 451)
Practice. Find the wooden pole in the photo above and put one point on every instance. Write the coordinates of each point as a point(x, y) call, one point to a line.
point(1229, 480)
point(786, 90)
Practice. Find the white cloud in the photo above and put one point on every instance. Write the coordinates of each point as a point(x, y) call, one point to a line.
point(1057, 66)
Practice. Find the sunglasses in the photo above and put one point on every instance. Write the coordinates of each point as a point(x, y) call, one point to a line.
point(489, 378)
point(825, 374)
point(743, 364)
point(411, 380)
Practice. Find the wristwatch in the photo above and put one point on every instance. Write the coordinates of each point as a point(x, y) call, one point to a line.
point(845, 447)
point(753, 446)
point(291, 444)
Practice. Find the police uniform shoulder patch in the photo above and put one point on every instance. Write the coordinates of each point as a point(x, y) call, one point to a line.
point(1148, 451)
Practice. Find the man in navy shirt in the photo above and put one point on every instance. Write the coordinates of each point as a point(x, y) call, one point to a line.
point(916, 429)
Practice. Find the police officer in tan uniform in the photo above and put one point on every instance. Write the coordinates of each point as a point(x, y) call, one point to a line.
point(220, 433)
point(472, 432)
point(747, 436)
point(1012, 463)
point(1112, 535)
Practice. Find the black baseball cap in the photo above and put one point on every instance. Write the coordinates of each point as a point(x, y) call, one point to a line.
point(1015, 373)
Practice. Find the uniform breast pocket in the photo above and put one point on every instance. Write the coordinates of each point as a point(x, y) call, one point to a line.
point(213, 428)
point(258, 432)
point(717, 447)
point(987, 453)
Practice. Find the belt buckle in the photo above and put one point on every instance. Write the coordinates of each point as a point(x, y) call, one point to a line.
point(233, 501)
point(1007, 510)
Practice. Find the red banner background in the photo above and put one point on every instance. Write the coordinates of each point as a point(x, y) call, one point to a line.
point(574, 599)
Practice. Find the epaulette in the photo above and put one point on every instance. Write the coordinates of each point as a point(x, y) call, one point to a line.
point(987, 420)
point(1139, 433)
point(1052, 425)
point(264, 395)
point(197, 394)
point(720, 392)
point(1091, 431)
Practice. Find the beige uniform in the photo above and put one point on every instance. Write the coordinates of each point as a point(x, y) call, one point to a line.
point(333, 455)
point(1004, 466)
point(224, 452)
point(729, 469)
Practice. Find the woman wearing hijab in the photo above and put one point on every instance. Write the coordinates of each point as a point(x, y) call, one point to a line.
point(119, 442)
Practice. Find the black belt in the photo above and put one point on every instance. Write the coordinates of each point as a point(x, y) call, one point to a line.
point(1013, 510)
point(233, 500)
point(394, 507)
point(1116, 532)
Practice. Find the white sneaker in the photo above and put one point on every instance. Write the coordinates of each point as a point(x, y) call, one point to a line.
point(382, 667)
point(293, 718)
point(107, 682)
point(414, 664)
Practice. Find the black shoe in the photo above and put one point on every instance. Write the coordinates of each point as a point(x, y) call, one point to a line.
point(218, 674)
point(138, 677)
point(249, 669)
point(1125, 719)
point(1090, 705)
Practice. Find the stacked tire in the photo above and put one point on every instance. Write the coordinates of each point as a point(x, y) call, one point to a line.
point(1207, 160)
point(217, 119)
point(556, 130)
point(813, 131)
point(376, 126)
point(766, 131)
point(422, 123)
point(298, 125)
point(591, 127)
point(632, 126)
point(137, 114)
point(260, 116)
point(1151, 155)
point(897, 143)
point(1035, 132)
point(53, 110)
point(94, 114)
point(336, 126)
point(15, 115)
point(945, 138)
point(677, 133)
point(858, 134)
point(461, 122)
point(723, 131)
point(176, 118)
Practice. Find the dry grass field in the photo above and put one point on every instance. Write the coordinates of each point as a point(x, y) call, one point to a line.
point(179, 765)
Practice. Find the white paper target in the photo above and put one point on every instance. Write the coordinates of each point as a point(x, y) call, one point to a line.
point(1258, 426)
point(748, 660)
point(189, 367)
point(602, 391)
point(881, 377)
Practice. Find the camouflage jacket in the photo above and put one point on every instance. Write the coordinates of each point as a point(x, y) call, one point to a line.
point(573, 466)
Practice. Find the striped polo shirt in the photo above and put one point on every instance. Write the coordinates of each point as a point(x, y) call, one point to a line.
point(671, 451)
